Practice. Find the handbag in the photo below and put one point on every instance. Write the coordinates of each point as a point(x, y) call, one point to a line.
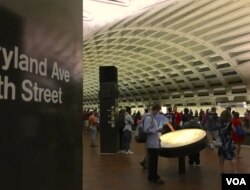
point(218, 142)
point(140, 136)
point(240, 131)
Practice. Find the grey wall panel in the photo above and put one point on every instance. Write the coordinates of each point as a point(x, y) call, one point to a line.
point(40, 95)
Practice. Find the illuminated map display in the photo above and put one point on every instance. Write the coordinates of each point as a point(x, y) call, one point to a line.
point(181, 137)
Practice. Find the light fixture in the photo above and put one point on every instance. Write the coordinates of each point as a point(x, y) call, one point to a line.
point(87, 16)
point(125, 3)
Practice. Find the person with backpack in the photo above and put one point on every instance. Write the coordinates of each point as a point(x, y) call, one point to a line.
point(120, 123)
point(151, 127)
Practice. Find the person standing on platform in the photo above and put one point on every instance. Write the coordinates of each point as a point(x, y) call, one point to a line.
point(153, 143)
point(185, 116)
point(86, 115)
point(93, 128)
point(120, 123)
point(194, 159)
point(246, 118)
point(144, 162)
point(204, 120)
point(201, 113)
point(127, 131)
point(165, 125)
point(213, 126)
point(227, 150)
point(170, 115)
point(238, 140)
point(177, 123)
point(226, 115)
point(138, 118)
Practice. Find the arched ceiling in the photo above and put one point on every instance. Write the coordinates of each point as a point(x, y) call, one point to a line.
point(188, 52)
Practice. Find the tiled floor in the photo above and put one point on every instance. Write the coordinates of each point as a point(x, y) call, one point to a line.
point(123, 172)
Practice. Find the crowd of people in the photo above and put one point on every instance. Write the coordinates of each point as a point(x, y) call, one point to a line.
point(223, 127)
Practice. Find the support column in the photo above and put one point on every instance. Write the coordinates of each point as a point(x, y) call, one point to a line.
point(41, 95)
point(108, 96)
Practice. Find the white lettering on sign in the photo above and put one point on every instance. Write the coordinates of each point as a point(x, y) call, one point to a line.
point(14, 59)
point(23, 62)
point(7, 89)
point(236, 181)
point(60, 74)
point(37, 94)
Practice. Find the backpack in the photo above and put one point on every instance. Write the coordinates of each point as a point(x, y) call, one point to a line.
point(140, 134)
point(240, 131)
point(120, 122)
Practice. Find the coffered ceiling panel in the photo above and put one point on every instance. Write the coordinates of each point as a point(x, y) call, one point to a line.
point(177, 52)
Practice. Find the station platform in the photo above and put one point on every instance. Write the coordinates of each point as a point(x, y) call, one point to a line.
point(123, 172)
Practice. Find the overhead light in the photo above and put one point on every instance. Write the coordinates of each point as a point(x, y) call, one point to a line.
point(87, 16)
point(232, 104)
point(125, 3)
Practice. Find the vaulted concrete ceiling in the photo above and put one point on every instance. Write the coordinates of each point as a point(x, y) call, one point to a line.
point(186, 52)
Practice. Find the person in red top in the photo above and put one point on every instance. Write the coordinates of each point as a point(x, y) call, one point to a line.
point(236, 122)
point(177, 118)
